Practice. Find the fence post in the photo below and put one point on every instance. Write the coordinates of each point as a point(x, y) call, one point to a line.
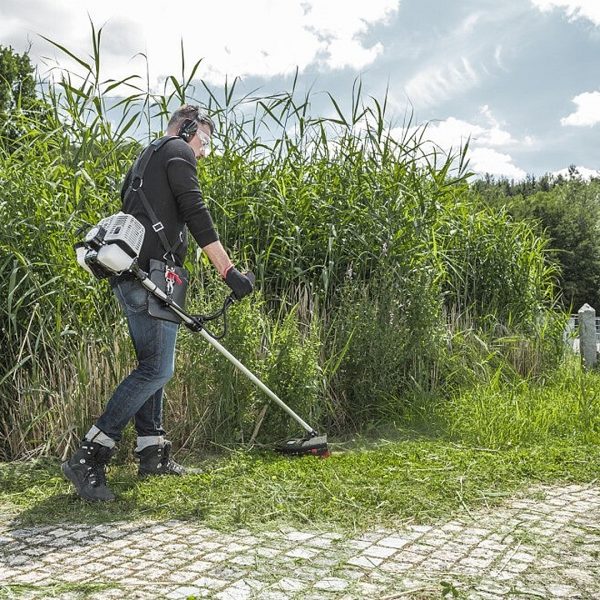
point(587, 336)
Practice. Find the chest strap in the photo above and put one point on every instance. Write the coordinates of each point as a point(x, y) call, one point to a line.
point(136, 187)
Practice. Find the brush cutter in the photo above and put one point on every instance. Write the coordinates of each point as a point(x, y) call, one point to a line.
point(112, 247)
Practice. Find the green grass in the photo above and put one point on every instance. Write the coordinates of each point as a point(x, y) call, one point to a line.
point(563, 405)
point(468, 451)
point(415, 479)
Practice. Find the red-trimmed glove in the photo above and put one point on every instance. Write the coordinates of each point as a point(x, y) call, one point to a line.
point(241, 284)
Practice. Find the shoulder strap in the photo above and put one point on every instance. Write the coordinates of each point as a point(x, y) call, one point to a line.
point(137, 181)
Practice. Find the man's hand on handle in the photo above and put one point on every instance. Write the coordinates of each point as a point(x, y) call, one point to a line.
point(241, 284)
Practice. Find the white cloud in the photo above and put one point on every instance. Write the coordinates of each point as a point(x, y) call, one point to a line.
point(461, 54)
point(351, 53)
point(486, 136)
point(486, 160)
point(498, 57)
point(469, 24)
point(453, 133)
point(235, 37)
point(575, 9)
point(582, 173)
point(588, 110)
point(440, 82)
point(341, 23)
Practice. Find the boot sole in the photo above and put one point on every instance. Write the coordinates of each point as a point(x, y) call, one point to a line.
point(70, 475)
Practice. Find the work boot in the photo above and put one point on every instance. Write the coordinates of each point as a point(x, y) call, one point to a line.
point(86, 470)
point(155, 460)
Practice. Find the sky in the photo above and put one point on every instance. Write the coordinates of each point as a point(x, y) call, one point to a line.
point(519, 78)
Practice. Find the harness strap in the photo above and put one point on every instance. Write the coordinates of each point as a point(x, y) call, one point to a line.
point(137, 181)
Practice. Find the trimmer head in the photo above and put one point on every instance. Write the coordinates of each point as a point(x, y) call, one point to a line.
point(309, 445)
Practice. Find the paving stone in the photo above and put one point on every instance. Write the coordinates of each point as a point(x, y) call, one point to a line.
point(523, 557)
point(560, 591)
point(118, 544)
point(396, 567)
point(186, 592)
point(234, 593)
point(234, 547)
point(173, 562)
point(420, 528)
point(318, 542)
point(530, 590)
point(255, 584)
point(367, 562)
point(505, 576)
point(432, 543)
point(243, 560)
point(516, 567)
point(493, 588)
point(31, 577)
point(393, 542)
point(302, 553)
point(437, 565)
point(410, 557)
point(579, 575)
point(425, 550)
point(180, 577)
point(215, 556)
point(249, 540)
point(485, 556)
point(379, 551)
point(114, 533)
point(371, 537)
point(358, 544)
point(331, 584)
point(272, 595)
point(367, 590)
point(479, 595)
point(299, 536)
point(332, 535)
point(228, 572)
point(351, 574)
point(478, 563)
point(289, 584)
point(452, 527)
point(267, 552)
point(80, 535)
point(211, 583)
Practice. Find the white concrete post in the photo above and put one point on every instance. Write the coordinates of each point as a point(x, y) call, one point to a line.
point(587, 336)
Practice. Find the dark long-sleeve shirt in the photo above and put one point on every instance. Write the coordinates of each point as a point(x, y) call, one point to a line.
point(171, 187)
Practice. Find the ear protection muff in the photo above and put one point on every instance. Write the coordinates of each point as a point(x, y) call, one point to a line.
point(188, 129)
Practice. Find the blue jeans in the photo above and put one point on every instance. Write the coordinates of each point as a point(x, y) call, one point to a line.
point(140, 394)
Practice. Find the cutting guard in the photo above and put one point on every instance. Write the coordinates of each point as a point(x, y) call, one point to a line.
point(307, 446)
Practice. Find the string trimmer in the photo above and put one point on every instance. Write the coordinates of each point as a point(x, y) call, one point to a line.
point(112, 248)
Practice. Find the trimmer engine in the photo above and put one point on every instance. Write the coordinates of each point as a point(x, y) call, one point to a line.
point(111, 247)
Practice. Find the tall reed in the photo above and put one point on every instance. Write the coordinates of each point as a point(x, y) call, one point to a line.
point(366, 245)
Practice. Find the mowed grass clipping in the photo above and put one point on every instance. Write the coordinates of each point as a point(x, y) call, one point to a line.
point(416, 480)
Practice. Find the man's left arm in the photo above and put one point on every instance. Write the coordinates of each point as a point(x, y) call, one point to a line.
point(184, 183)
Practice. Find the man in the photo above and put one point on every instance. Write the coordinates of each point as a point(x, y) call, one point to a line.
point(171, 187)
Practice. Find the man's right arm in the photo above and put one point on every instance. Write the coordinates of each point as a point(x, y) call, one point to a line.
point(238, 282)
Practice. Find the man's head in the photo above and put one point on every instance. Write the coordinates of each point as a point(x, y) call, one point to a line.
point(193, 126)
